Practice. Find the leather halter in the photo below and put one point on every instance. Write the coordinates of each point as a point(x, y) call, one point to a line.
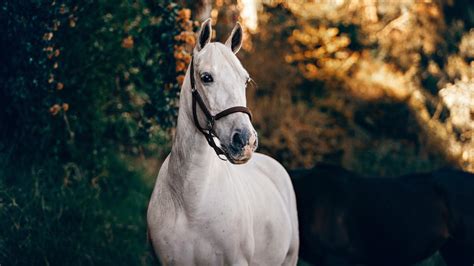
point(208, 131)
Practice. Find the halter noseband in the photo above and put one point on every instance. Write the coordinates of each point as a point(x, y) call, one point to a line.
point(208, 131)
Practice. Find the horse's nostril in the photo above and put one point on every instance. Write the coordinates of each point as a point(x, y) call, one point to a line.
point(238, 140)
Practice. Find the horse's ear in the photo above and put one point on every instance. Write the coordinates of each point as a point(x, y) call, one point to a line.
point(204, 35)
point(234, 42)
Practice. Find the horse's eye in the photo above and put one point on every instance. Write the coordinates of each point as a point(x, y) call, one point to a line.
point(206, 77)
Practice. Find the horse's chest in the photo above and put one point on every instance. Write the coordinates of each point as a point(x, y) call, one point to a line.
point(214, 238)
point(224, 231)
point(225, 222)
point(252, 222)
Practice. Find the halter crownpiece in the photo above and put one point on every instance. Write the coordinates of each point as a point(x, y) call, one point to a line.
point(208, 131)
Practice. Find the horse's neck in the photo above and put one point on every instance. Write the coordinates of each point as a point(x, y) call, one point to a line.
point(192, 161)
point(190, 150)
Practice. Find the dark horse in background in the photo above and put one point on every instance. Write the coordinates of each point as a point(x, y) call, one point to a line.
point(346, 219)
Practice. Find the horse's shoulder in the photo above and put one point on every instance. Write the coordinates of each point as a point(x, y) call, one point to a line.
point(161, 202)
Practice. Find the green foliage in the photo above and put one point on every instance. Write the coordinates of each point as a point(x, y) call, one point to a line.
point(138, 78)
point(81, 86)
point(24, 90)
point(51, 221)
point(112, 63)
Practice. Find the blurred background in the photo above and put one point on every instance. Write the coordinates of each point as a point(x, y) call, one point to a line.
point(89, 94)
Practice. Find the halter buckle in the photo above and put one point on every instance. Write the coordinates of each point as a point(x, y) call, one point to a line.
point(210, 123)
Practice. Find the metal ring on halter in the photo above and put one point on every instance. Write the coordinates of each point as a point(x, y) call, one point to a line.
point(211, 119)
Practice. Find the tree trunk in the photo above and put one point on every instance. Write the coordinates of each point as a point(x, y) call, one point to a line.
point(201, 9)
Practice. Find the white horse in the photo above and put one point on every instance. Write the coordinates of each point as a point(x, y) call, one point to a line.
point(207, 211)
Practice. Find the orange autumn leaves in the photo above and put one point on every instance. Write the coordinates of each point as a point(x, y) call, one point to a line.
point(52, 50)
point(186, 41)
point(56, 108)
point(128, 42)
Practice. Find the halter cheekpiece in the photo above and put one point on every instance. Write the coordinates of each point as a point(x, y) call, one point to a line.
point(208, 131)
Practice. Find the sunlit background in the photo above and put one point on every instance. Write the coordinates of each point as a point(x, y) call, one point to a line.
point(89, 96)
point(381, 87)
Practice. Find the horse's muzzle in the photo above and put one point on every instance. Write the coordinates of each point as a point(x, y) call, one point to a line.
point(243, 143)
